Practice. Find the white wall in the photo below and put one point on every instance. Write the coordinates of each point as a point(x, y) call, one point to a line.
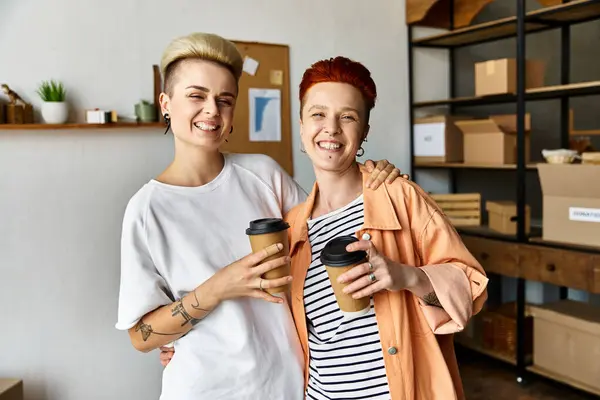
point(62, 194)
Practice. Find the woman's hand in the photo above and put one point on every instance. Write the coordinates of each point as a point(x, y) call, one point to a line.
point(243, 277)
point(379, 273)
point(166, 353)
point(384, 171)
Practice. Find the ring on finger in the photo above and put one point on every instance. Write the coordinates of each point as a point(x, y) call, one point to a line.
point(372, 277)
point(370, 267)
point(260, 285)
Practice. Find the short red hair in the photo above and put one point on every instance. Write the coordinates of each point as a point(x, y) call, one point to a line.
point(342, 70)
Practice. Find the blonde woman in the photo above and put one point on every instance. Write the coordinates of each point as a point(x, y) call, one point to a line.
point(187, 272)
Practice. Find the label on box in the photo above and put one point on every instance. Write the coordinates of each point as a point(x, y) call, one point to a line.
point(430, 139)
point(584, 214)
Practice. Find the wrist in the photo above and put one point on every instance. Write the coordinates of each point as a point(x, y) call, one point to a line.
point(207, 295)
point(414, 278)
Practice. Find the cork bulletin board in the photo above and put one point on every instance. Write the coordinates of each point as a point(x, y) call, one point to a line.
point(262, 116)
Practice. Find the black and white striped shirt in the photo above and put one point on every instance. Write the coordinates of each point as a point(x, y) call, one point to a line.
point(346, 359)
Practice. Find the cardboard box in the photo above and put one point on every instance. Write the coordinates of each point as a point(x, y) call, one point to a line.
point(11, 389)
point(502, 216)
point(571, 203)
point(500, 76)
point(493, 140)
point(566, 342)
point(437, 139)
point(462, 209)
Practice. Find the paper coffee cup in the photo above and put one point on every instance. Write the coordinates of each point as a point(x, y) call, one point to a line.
point(264, 233)
point(337, 261)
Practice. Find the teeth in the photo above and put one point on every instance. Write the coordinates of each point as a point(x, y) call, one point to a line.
point(330, 146)
point(206, 127)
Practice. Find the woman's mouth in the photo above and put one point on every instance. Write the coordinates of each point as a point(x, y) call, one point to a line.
point(207, 126)
point(329, 146)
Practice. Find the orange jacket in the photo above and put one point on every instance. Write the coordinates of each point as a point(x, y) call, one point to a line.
point(406, 225)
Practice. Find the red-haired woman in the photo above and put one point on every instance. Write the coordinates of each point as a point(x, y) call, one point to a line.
point(423, 283)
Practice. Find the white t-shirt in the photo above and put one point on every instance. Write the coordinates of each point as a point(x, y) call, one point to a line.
point(174, 238)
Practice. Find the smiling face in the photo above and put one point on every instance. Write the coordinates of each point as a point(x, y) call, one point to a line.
point(200, 103)
point(333, 125)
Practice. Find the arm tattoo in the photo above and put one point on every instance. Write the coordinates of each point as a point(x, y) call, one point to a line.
point(147, 330)
point(431, 299)
point(179, 309)
point(197, 305)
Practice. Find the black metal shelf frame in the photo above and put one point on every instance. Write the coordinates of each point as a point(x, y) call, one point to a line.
point(525, 24)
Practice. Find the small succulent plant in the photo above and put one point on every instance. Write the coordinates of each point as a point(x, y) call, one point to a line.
point(52, 91)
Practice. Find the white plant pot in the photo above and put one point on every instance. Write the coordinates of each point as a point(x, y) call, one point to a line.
point(54, 112)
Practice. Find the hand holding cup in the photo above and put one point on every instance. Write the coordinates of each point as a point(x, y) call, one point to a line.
point(244, 278)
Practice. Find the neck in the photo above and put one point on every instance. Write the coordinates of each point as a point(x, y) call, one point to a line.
point(336, 189)
point(192, 166)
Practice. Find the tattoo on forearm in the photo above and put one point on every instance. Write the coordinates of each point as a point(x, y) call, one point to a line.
point(179, 309)
point(197, 305)
point(147, 330)
point(432, 300)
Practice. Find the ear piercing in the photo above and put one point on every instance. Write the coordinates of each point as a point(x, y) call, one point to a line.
point(167, 121)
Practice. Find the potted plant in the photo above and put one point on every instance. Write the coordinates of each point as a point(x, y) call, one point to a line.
point(54, 107)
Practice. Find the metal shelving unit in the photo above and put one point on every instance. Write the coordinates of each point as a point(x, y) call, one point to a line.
point(560, 17)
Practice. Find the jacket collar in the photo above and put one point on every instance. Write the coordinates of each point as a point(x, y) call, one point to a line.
point(379, 212)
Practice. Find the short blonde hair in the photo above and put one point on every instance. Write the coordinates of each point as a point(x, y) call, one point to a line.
point(204, 46)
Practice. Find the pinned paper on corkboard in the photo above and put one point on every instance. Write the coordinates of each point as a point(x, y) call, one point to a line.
point(276, 77)
point(250, 65)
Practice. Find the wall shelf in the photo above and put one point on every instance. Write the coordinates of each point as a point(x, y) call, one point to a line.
point(432, 165)
point(541, 93)
point(112, 125)
point(535, 21)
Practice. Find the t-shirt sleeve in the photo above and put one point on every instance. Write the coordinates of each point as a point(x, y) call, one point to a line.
point(290, 193)
point(142, 288)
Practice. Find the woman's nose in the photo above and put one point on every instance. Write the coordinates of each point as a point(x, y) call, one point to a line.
point(211, 107)
point(332, 127)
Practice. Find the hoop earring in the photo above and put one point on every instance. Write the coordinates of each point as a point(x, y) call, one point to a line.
point(360, 152)
point(302, 149)
point(167, 121)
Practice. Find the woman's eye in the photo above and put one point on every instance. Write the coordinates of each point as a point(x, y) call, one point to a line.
point(225, 102)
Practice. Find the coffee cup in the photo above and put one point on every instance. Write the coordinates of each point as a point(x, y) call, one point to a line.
point(264, 233)
point(337, 260)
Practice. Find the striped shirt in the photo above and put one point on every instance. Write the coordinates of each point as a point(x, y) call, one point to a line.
point(346, 358)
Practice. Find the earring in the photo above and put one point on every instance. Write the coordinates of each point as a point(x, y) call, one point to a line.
point(167, 121)
point(360, 152)
point(230, 132)
point(302, 149)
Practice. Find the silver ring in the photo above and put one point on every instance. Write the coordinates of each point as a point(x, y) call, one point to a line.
point(372, 277)
point(370, 267)
point(260, 285)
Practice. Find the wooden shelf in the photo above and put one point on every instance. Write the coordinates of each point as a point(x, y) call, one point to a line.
point(113, 125)
point(458, 339)
point(536, 21)
point(530, 166)
point(563, 379)
point(542, 93)
point(561, 245)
